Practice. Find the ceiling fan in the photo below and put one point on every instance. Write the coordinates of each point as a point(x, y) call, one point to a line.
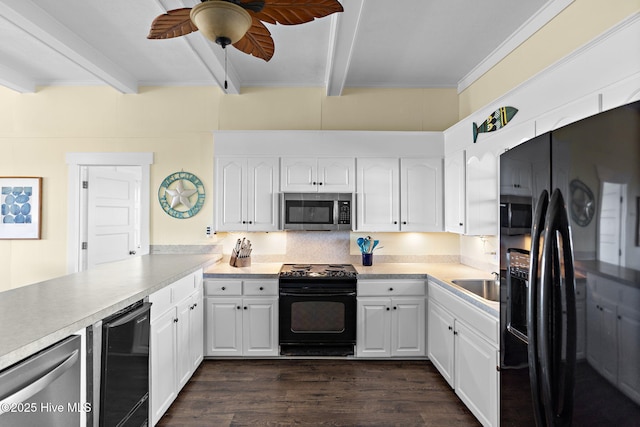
point(240, 22)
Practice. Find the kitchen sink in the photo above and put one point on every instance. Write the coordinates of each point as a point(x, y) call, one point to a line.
point(487, 289)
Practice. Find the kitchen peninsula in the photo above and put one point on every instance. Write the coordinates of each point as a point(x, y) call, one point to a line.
point(36, 316)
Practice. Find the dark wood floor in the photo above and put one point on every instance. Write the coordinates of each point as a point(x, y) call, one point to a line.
point(317, 392)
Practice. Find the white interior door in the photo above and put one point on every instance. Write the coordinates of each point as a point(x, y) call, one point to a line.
point(611, 236)
point(113, 213)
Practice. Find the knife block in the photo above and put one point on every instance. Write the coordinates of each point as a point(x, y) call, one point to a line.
point(234, 261)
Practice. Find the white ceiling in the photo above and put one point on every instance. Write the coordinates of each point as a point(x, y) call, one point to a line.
point(373, 43)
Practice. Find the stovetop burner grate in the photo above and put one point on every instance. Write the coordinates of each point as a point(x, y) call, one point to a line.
point(317, 271)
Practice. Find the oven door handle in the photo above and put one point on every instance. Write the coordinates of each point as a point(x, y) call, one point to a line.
point(316, 294)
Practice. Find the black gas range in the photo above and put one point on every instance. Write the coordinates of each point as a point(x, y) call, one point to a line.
point(317, 309)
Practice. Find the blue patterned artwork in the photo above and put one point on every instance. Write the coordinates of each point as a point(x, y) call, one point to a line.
point(20, 207)
point(16, 205)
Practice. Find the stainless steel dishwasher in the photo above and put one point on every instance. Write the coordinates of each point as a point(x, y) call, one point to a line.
point(44, 389)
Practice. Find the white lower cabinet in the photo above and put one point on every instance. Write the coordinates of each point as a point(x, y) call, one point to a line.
point(176, 340)
point(613, 333)
point(391, 318)
point(463, 346)
point(241, 318)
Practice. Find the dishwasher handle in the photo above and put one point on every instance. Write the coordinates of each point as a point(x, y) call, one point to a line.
point(130, 316)
point(39, 384)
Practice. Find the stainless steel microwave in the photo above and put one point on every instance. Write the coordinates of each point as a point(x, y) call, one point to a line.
point(316, 211)
point(515, 215)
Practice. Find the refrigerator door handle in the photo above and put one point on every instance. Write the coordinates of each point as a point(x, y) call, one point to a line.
point(545, 317)
point(557, 324)
point(532, 306)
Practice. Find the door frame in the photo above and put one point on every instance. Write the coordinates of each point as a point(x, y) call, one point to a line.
point(75, 162)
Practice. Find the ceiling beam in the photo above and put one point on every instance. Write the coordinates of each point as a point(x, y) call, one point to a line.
point(210, 54)
point(26, 15)
point(344, 30)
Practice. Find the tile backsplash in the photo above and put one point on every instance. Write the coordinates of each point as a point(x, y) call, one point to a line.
point(341, 247)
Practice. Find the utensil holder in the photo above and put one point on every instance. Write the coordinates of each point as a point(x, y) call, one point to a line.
point(234, 261)
point(367, 259)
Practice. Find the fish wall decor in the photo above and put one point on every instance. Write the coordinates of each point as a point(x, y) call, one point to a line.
point(496, 120)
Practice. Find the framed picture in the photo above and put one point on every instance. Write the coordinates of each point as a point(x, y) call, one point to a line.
point(20, 207)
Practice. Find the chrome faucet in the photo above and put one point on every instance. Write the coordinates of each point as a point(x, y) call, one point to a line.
point(496, 276)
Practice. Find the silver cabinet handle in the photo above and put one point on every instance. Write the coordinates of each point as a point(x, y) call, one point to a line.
point(39, 384)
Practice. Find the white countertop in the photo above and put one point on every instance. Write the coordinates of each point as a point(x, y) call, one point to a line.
point(35, 316)
point(256, 270)
point(443, 273)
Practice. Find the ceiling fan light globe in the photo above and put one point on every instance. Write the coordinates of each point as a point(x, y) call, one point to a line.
point(218, 19)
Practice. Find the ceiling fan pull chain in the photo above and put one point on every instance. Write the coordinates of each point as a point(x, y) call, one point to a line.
point(225, 69)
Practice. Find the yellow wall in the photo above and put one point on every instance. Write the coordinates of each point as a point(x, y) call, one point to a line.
point(175, 123)
point(575, 26)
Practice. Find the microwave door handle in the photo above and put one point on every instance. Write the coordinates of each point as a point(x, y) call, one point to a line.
point(532, 304)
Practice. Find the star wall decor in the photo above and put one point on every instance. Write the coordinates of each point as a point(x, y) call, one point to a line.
point(174, 193)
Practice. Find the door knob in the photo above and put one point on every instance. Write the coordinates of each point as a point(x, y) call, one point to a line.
point(132, 252)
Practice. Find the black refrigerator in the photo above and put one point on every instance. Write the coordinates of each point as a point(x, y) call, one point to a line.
point(570, 275)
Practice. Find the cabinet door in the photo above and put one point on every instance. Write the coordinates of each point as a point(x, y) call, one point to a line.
point(259, 327)
point(378, 194)
point(223, 327)
point(482, 192)
point(476, 380)
point(629, 352)
point(336, 175)
point(602, 342)
point(440, 340)
point(163, 364)
point(516, 178)
point(374, 327)
point(407, 327)
point(421, 201)
point(183, 349)
point(298, 174)
point(196, 327)
point(454, 192)
point(262, 194)
point(231, 194)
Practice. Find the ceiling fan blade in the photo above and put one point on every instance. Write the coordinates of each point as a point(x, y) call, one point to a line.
point(257, 41)
point(294, 12)
point(174, 23)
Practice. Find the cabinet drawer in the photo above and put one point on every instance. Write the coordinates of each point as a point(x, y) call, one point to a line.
point(482, 322)
point(390, 287)
point(260, 287)
point(182, 288)
point(223, 287)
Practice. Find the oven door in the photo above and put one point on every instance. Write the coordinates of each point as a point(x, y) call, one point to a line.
point(316, 317)
point(517, 306)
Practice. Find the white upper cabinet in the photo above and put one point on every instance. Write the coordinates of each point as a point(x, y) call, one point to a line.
point(246, 194)
point(516, 177)
point(454, 192)
point(621, 93)
point(378, 194)
point(568, 113)
point(399, 194)
point(482, 192)
point(421, 202)
point(321, 174)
